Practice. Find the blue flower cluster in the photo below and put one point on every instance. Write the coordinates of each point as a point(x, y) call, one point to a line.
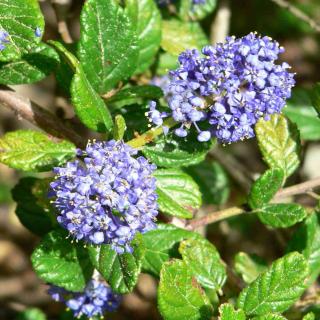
point(4, 38)
point(95, 300)
point(228, 88)
point(107, 196)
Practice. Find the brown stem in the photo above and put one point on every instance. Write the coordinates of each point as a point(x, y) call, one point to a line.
point(221, 24)
point(235, 211)
point(300, 188)
point(234, 168)
point(298, 13)
point(40, 117)
point(61, 8)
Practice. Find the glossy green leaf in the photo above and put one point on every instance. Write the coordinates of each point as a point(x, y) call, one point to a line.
point(178, 36)
point(306, 240)
point(204, 261)
point(31, 314)
point(58, 261)
point(179, 294)
point(31, 67)
point(162, 244)
point(178, 194)
point(281, 215)
point(149, 33)
point(172, 151)
point(266, 186)
point(119, 127)
point(166, 63)
point(33, 207)
point(315, 97)
point(34, 151)
point(276, 289)
point(121, 271)
point(213, 181)
point(89, 107)
point(193, 11)
point(20, 18)
point(249, 266)
point(135, 93)
point(108, 46)
point(227, 312)
point(300, 111)
point(309, 316)
point(279, 143)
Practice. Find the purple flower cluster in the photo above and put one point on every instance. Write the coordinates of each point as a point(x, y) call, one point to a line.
point(4, 38)
point(108, 196)
point(95, 300)
point(228, 88)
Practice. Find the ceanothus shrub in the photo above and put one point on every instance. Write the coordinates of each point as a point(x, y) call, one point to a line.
point(131, 182)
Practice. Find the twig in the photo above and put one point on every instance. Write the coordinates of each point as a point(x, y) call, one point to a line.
point(215, 217)
point(148, 136)
point(298, 13)
point(221, 24)
point(37, 115)
point(61, 8)
point(234, 168)
point(235, 211)
point(300, 188)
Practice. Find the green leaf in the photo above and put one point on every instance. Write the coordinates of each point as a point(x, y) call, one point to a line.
point(276, 289)
point(149, 33)
point(178, 194)
point(20, 18)
point(270, 316)
point(306, 240)
point(31, 67)
point(315, 97)
point(108, 46)
point(192, 11)
point(119, 127)
point(58, 261)
point(204, 261)
point(172, 151)
point(34, 151)
point(89, 107)
point(65, 54)
point(309, 316)
point(31, 314)
point(162, 244)
point(266, 186)
point(136, 93)
point(178, 36)
point(179, 294)
point(212, 180)
point(281, 215)
point(300, 111)
point(249, 266)
point(33, 206)
point(227, 312)
point(165, 63)
point(279, 143)
point(121, 271)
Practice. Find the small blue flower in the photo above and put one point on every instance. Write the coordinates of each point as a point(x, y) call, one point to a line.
point(95, 300)
point(107, 196)
point(4, 38)
point(229, 87)
point(38, 32)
